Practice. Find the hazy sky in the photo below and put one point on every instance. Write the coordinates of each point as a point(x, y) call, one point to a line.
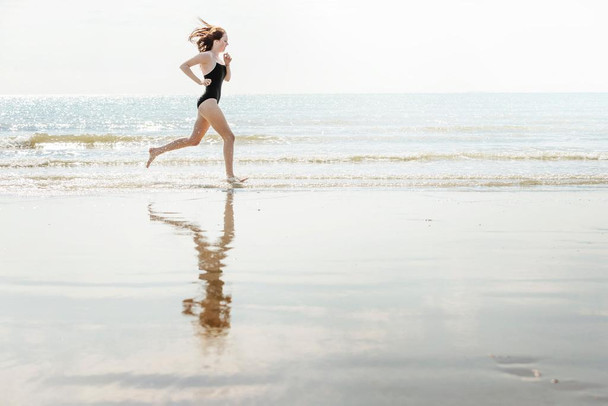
point(306, 46)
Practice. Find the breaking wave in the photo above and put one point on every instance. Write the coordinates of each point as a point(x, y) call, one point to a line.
point(38, 140)
point(108, 160)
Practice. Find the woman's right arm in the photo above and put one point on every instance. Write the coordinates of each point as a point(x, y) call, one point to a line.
point(185, 67)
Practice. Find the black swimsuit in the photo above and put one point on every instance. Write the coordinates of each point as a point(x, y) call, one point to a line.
point(214, 90)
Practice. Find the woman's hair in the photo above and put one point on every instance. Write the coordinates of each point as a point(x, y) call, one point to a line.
point(204, 36)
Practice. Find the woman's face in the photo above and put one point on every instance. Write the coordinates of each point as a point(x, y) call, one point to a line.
point(223, 42)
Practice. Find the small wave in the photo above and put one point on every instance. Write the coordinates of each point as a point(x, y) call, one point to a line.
point(107, 161)
point(40, 139)
point(458, 156)
point(468, 129)
point(86, 139)
point(480, 156)
point(42, 184)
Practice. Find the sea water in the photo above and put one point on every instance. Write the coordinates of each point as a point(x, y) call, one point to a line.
point(81, 144)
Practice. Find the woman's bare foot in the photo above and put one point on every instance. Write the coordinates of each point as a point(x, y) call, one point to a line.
point(153, 154)
point(234, 179)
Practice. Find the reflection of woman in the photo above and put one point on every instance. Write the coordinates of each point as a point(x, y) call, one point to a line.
point(211, 42)
point(213, 311)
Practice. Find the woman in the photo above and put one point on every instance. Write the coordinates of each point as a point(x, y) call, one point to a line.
point(211, 42)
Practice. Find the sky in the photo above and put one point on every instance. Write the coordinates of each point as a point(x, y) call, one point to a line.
point(306, 46)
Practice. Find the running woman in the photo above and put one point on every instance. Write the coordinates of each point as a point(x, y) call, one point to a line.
point(211, 41)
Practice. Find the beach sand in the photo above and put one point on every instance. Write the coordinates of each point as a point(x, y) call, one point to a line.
point(331, 297)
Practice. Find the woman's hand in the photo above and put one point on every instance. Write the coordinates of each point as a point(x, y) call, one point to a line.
point(227, 59)
point(206, 82)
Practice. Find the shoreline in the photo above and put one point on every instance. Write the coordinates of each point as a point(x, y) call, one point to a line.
point(317, 189)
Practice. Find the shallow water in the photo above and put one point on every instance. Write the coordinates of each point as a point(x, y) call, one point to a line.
point(82, 144)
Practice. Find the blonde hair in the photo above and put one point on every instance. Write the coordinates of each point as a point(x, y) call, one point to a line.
point(204, 36)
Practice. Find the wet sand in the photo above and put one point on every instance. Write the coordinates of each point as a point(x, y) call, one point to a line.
point(305, 298)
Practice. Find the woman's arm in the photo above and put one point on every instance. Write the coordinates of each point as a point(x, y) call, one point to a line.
point(227, 61)
point(185, 67)
point(227, 77)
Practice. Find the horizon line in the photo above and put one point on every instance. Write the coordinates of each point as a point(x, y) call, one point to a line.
point(303, 94)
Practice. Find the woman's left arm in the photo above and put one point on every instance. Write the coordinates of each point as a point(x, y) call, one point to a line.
point(227, 61)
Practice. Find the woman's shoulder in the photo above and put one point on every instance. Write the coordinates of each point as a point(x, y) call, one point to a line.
point(201, 58)
point(205, 56)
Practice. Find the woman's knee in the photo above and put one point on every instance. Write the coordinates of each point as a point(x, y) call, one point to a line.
point(193, 142)
point(228, 136)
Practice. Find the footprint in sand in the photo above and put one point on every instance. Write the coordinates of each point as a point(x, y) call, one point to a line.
point(518, 366)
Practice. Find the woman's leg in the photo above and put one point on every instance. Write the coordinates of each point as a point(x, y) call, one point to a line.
point(200, 128)
point(212, 113)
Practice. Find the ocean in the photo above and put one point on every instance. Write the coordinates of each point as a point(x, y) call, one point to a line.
point(76, 144)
